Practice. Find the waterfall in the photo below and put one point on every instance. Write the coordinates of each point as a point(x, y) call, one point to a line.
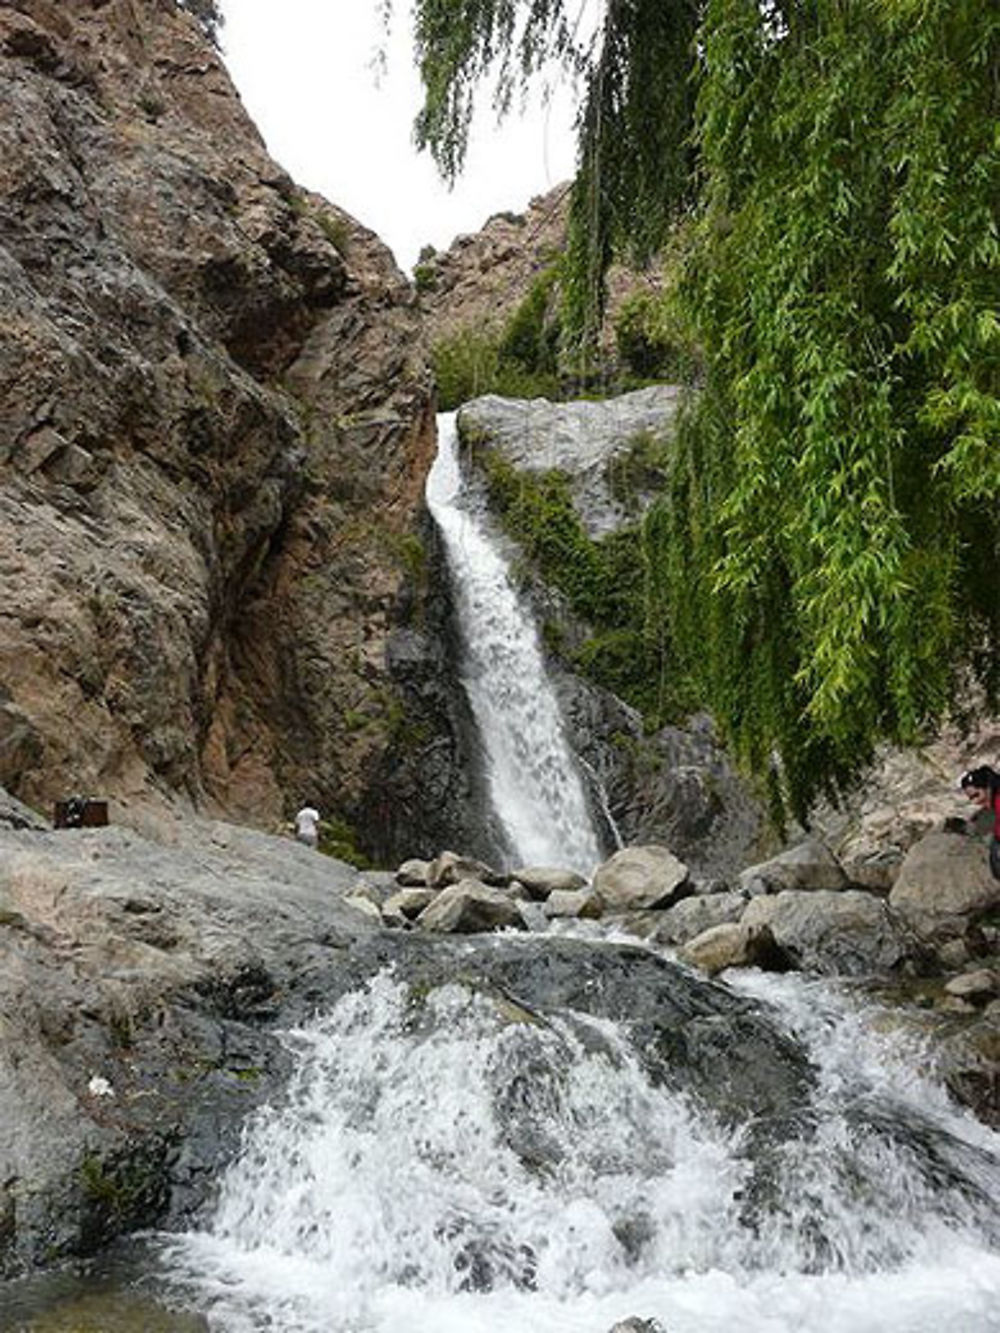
point(533, 779)
point(445, 1166)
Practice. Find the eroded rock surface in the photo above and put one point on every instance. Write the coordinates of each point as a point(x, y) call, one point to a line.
point(140, 982)
point(214, 428)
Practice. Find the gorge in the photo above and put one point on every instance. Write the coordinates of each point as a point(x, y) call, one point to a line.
point(241, 1088)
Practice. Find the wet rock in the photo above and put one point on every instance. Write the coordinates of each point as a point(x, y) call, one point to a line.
point(140, 983)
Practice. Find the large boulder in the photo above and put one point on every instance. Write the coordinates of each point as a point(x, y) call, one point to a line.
point(639, 877)
point(734, 944)
point(540, 881)
point(808, 865)
point(944, 888)
point(138, 985)
point(849, 933)
point(583, 439)
point(468, 907)
point(691, 916)
point(583, 904)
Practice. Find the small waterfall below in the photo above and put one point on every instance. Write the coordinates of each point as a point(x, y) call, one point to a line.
point(534, 781)
point(449, 1163)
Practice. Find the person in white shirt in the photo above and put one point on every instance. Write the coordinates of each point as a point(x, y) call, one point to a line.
point(305, 826)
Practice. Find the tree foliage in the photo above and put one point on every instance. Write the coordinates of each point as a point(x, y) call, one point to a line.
point(827, 551)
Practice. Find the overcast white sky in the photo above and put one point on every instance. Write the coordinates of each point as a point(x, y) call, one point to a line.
point(304, 69)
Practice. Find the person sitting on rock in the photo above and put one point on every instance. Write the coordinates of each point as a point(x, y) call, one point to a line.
point(305, 826)
point(982, 787)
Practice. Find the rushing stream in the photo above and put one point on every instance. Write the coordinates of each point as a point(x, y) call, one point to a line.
point(454, 1165)
point(546, 1134)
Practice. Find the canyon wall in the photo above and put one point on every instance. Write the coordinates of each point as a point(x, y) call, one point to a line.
point(215, 423)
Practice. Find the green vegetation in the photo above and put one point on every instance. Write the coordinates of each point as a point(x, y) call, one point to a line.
point(337, 839)
point(649, 341)
point(425, 269)
point(337, 231)
point(123, 1187)
point(518, 362)
point(824, 558)
point(604, 583)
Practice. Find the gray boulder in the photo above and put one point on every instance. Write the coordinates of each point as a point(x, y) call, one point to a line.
point(412, 873)
point(582, 439)
point(137, 987)
point(583, 903)
point(451, 868)
point(691, 916)
point(469, 907)
point(640, 877)
point(733, 944)
point(409, 902)
point(540, 881)
point(808, 865)
point(849, 933)
point(944, 888)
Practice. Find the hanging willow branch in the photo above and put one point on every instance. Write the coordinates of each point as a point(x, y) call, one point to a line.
point(638, 76)
point(825, 560)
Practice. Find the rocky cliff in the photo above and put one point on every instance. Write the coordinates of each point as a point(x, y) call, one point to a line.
point(478, 283)
point(215, 421)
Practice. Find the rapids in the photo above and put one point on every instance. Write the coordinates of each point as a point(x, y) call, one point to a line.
point(453, 1161)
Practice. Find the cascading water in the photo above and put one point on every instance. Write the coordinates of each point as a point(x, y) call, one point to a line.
point(534, 782)
point(449, 1162)
point(522, 1134)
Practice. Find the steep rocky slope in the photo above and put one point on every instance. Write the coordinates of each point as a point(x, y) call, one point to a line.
point(215, 420)
point(480, 280)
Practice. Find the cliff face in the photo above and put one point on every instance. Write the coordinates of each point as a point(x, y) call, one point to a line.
point(215, 421)
point(478, 283)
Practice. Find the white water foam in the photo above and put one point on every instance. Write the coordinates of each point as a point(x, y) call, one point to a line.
point(534, 783)
point(446, 1165)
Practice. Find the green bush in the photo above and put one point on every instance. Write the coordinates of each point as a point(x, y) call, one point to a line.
point(644, 346)
point(604, 583)
point(425, 277)
point(468, 364)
